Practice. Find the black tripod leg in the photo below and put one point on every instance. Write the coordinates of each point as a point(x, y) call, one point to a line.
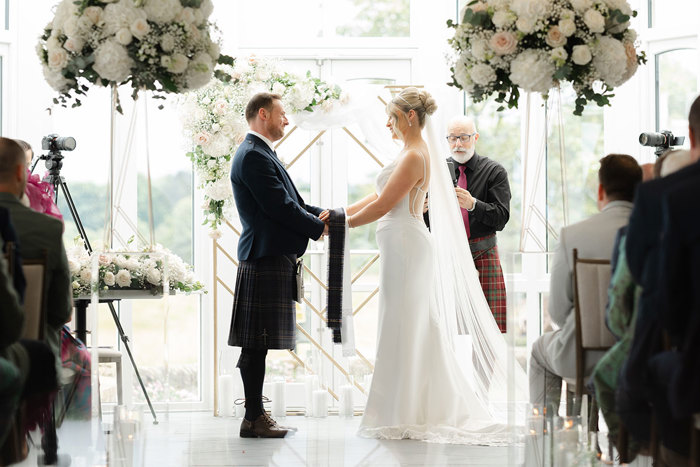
point(125, 340)
point(74, 213)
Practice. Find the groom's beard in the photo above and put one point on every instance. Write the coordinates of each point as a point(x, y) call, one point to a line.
point(462, 155)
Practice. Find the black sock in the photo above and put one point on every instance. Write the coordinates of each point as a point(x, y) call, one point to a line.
point(252, 366)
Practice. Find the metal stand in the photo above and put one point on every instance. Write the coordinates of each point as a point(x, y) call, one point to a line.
point(57, 181)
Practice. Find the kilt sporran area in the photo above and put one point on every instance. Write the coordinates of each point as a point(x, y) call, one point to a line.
point(264, 314)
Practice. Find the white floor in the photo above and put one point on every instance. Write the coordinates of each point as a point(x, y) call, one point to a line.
point(199, 439)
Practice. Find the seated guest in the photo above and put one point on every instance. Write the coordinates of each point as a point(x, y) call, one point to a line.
point(11, 324)
point(37, 233)
point(633, 397)
point(554, 353)
point(623, 294)
point(8, 235)
point(38, 195)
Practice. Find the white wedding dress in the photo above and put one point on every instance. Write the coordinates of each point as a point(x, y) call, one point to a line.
point(420, 390)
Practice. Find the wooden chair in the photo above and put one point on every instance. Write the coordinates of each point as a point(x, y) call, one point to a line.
point(591, 279)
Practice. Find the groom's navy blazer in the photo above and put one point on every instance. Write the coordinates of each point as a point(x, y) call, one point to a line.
point(275, 219)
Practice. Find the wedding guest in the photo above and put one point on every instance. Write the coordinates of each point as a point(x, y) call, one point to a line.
point(9, 239)
point(11, 323)
point(554, 353)
point(483, 194)
point(37, 233)
point(38, 195)
point(643, 256)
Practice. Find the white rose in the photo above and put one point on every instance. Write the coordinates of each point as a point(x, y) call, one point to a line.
point(632, 64)
point(73, 266)
point(179, 64)
point(167, 43)
point(86, 275)
point(503, 43)
point(94, 14)
point(215, 128)
point(75, 285)
point(132, 264)
point(610, 60)
point(186, 16)
point(140, 28)
point(594, 20)
point(567, 27)
point(525, 24)
point(56, 79)
point(555, 38)
point(559, 55)
point(162, 11)
point(580, 5)
point(112, 61)
point(123, 278)
point(70, 27)
point(58, 58)
point(278, 88)
point(479, 49)
point(482, 74)
point(532, 70)
point(74, 44)
point(123, 36)
point(121, 15)
point(153, 276)
point(220, 107)
point(581, 54)
point(503, 18)
point(215, 234)
point(202, 138)
point(109, 278)
point(567, 14)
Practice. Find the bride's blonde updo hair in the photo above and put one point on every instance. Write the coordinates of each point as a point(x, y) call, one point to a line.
point(417, 100)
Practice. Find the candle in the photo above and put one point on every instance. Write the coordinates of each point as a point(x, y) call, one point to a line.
point(320, 403)
point(566, 440)
point(534, 444)
point(310, 385)
point(226, 395)
point(346, 407)
point(279, 409)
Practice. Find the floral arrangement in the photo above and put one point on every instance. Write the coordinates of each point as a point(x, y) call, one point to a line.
point(122, 271)
point(160, 45)
point(214, 118)
point(534, 45)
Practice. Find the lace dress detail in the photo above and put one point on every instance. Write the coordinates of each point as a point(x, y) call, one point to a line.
point(419, 390)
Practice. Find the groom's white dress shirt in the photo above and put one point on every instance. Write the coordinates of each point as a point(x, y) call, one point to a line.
point(266, 140)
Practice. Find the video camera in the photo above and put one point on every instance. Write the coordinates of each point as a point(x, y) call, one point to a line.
point(54, 144)
point(661, 141)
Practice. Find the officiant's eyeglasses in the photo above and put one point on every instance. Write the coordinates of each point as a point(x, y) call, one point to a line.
point(464, 137)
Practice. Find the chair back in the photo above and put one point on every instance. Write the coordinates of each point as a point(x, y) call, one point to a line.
point(35, 297)
point(591, 281)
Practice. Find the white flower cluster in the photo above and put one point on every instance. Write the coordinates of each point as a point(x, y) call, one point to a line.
point(213, 117)
point(503, 45)
point(124, 271)
point(160, 45)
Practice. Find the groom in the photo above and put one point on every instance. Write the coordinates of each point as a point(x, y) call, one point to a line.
point(277, 226)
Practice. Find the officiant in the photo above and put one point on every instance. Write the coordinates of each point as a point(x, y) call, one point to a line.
point(483, 194)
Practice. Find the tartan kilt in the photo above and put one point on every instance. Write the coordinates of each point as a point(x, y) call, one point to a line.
point(264, 313)
point(488, 264)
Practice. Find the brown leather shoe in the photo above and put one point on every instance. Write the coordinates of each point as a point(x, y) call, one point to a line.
point(282, 427)
point(262, 427)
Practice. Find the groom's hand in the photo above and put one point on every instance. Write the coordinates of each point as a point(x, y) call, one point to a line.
point(325, 230)
point(325, 216)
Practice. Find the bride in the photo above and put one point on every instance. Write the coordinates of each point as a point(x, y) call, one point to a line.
point(429, 299)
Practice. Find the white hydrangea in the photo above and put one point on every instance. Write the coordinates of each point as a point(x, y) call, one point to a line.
point(625, 8)
point(503, 18)
point(498, 4)
point(153, 276)
point(482, 74)
point(220, 190)
point(610, 60)
point(199, 71)
point(532, 70)
point(531, 9)
point(64, 11)
point(121, 15)
point(580, 5)
point(56, 79)
point(162, 11)
point(206, 8)
point(112, 61)
point(480, 48)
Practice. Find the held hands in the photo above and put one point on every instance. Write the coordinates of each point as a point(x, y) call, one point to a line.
point(465, 199)
point(325, 217)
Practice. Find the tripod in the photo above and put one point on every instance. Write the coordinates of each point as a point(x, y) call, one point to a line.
point(54, 163)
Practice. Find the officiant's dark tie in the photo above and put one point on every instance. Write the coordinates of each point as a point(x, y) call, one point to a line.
point(462, 183)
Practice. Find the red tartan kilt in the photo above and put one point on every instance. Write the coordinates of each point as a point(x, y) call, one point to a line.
point(488, 264)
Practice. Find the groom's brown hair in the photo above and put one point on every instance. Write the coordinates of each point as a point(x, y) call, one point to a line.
point(262, 100)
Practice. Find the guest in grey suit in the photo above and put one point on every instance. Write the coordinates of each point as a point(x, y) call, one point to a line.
point(37, 232)
point(554, 353)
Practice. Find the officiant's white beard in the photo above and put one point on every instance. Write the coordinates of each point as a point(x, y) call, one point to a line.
point(462, 155)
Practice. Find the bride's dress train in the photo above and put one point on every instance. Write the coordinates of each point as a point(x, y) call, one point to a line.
point(419, 389)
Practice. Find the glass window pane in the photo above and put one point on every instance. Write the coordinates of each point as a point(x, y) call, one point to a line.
point(676, 87)
point(673, 13)
point(373, 18)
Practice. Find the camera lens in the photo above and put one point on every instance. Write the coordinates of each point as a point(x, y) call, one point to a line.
point(65, 143)
point(652, 139)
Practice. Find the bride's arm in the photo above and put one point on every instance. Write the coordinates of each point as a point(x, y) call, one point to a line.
point(357, 207)
point(407, 173)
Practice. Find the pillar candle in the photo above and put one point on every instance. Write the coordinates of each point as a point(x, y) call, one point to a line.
point(310, 385)
point(226, 396)
point(320, 403)
point(279, 408)
point(346, 408)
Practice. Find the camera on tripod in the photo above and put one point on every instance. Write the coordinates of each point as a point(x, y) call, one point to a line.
point(54, 159)
point(661, 141)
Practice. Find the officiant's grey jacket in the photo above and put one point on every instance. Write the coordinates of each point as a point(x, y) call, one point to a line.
point(275, 219)
point(594, 238)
